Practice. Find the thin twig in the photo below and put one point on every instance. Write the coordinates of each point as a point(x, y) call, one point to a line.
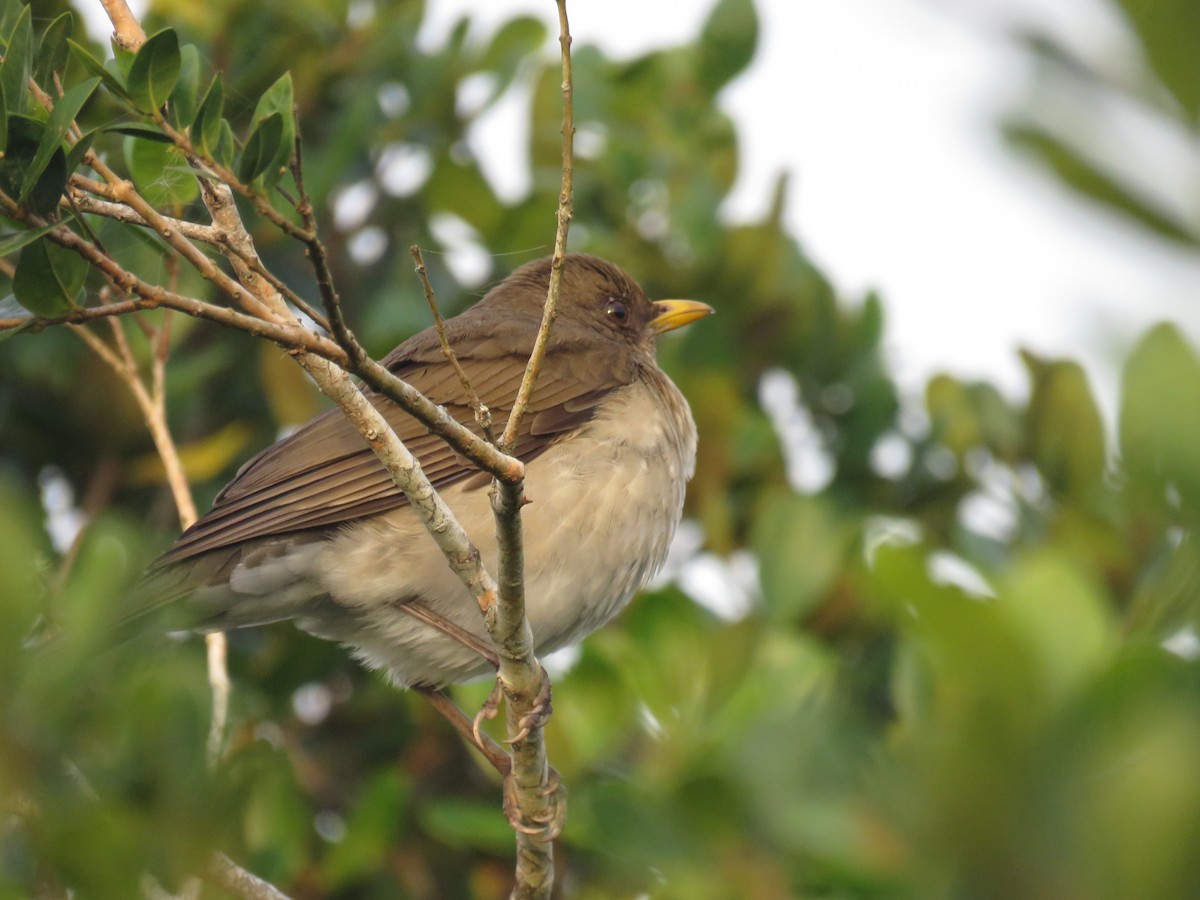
point(289, 336)
point(483, 415)
point(565, 212)
point(434, 417)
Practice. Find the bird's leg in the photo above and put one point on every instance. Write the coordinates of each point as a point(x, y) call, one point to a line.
point(546, 827)
point(423, 613)
point(468, 729)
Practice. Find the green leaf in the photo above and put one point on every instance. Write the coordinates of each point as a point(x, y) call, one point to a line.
point(9, 11)
point(793, 583)
point(60, 121)
point(184, 100)
point(727, 43)
point(85, 58)
point(160, 172)
point(1159, 428)
point(17, 65)
point(48, 278)
point(1083, 176)
point(225, 150)
point(155, 70)
point(463, 823)
point(24, 141)
point(206, 129)
point(53, 50)
point(1066, 433)
point(1170, 32)
point(278, 100)
point(261, 148)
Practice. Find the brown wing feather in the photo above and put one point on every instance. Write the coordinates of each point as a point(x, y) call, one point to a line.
point(324, 474)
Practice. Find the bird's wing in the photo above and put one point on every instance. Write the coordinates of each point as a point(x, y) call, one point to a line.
point(325, 474)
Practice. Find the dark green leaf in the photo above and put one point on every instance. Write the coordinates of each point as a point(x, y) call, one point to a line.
point(53, 50)
point(48, 278)
point(261, 148)
point(206, 129)
point(155, 70)
point(727, 43)
point(62, 117)
point(85, 58)
point(18, 64)
point(184, 101)
point(24, 140)
point(141, 130)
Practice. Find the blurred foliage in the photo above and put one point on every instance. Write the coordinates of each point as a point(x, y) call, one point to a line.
point(968, 668)
point(1117, 124)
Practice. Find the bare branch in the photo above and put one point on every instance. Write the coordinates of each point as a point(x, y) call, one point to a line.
point(565, 211)
point(483, 415)
point(192, 230)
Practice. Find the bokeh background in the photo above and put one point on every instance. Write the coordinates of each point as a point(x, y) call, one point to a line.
point(930, 629)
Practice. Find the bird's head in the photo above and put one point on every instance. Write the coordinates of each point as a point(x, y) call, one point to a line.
point(596, 299)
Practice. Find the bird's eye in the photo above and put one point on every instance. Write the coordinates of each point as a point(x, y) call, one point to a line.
point(616, 309)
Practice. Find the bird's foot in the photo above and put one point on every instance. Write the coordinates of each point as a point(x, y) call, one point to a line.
point(488, 711)
point(537, 716)
point(539, 713)
point(547, 824)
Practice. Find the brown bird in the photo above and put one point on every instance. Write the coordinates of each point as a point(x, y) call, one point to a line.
point(312, 529)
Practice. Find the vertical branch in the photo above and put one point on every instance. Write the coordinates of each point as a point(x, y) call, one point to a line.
point(566, 201)
point(537, 809)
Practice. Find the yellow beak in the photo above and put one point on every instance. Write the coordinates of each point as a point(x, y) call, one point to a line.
point(674, 314)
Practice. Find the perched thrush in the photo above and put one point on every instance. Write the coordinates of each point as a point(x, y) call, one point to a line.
point(312, 529)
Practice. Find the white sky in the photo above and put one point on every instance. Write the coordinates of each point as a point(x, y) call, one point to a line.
point(884, 111)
